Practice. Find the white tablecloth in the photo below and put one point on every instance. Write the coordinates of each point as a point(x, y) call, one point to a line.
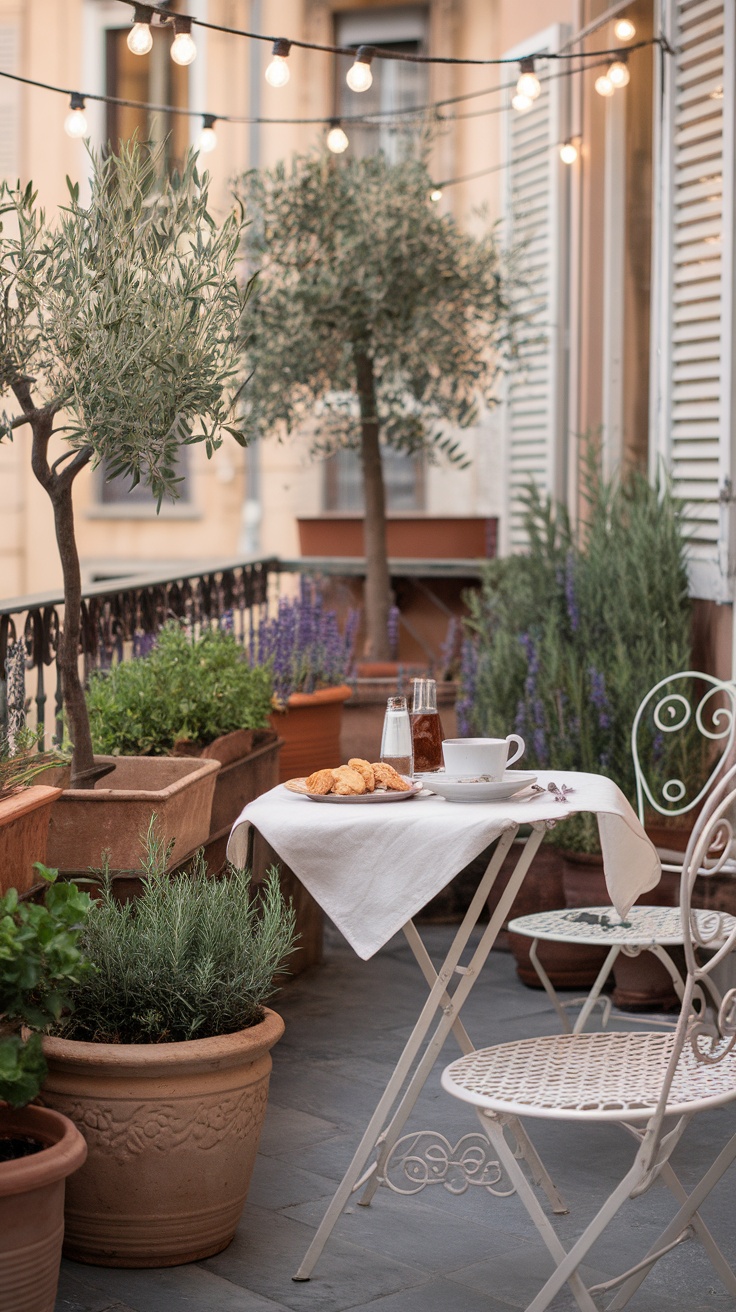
point(372, 867)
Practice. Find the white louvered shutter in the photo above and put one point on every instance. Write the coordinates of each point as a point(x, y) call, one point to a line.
point(535, 221)
point(692, 373)
point(9, 102)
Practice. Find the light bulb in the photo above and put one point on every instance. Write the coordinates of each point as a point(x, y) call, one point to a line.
point(277, 73)
point(337, 140)
point(359, 76)
point(528, 84)
point(624, 29)
point(75, 123)
point(436, 194)
point(140, 39)
point(521, 103)
point(207, 137)
point(568, 152)
point(183, 49)
point(618, 74)
point(604, 86)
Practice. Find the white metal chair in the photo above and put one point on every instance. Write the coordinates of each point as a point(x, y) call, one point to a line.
point(669, 708)
point(637, 1079)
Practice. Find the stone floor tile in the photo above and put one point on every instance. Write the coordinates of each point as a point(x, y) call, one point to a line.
point(437, 1295)
point(75, 1296)
point(276, 1185)
point(287, 1130)
point(172, 1289)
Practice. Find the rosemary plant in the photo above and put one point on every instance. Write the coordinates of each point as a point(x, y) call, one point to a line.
point(191, 958)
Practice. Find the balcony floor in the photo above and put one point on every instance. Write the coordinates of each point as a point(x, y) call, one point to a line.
point(345, 1025)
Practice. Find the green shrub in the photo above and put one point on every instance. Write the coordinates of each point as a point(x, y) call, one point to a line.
point(183, 690)
point(41, 962)
point(568, 638)
point(191, 958)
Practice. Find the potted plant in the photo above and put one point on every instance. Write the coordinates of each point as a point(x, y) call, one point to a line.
point(565, 642)
point(25, 807)
point(164, 1064)
point(118, 335)
point(192, 697)
point(40, 960)
point(310, 660)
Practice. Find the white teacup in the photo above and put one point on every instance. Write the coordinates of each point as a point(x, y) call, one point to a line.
point(476, 756)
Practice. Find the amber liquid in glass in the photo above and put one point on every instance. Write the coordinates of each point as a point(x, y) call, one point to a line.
point(427, 734)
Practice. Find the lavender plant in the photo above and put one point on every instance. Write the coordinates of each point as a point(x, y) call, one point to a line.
point(565, 641)
point(303, 644)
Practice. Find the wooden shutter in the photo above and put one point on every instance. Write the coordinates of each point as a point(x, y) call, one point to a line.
point(535, 225)
point(692, 373)
point(9, 102)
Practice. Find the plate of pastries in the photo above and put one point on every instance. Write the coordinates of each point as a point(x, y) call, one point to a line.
point(358, 781)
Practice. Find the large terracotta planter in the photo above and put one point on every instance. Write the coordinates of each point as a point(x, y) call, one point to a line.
point(32, 1207)
point(310, 728)
point(362, 720)
point(114, 814)
point(24, 828)
point(172, 1132)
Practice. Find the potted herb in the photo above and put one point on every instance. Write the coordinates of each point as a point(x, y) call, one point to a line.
point(118, 338)
point(310, 660)
point(164, 1064)
point(192, 697)
point(40, 959)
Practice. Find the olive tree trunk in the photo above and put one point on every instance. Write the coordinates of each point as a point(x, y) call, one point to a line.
point(377, 579)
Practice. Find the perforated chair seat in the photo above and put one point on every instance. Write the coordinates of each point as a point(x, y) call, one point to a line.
point(598, 1077)
point(601, 926)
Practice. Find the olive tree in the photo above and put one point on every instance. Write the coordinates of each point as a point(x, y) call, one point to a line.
point(118, 333)
point(375, 321)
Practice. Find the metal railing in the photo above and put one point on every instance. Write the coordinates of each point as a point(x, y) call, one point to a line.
point(121, 616)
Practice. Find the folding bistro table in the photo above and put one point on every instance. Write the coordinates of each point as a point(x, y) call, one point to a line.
point(373, 867)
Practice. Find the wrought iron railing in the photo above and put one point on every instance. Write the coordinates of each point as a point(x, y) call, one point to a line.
point(120, 617)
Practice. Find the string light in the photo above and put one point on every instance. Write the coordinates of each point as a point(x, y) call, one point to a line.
point(277, 73)
point(521, 103)
point(140, 36)
point(624, 29)
point(528, 84)
point(618, 73)
point(568, 151)
point(359, 77)
point(183, 49)
point(75, 123)
point(337, 140)
point(604, 86)
point(208, 136)
point(436, 195)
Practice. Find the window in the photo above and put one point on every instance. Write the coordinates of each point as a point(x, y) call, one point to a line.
point(154, 78)
point(119, 492)
point(396, 85)
point(403, 477)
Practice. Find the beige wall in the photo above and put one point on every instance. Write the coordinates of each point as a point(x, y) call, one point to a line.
point(60, 43)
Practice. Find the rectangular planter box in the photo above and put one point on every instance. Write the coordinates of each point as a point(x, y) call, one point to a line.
point(114, 814)
point(24, 827)
point(240, 781)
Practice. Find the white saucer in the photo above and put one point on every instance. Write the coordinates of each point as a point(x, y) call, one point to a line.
point(457, 788)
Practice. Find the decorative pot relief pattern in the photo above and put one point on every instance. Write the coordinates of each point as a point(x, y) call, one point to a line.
point(123, 1132)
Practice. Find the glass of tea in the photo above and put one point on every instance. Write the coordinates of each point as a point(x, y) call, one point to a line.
point(426, 726)
point(396, 749)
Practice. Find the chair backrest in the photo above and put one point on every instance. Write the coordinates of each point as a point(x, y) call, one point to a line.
point(701, 710)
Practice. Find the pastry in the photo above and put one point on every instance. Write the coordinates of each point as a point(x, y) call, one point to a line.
point(320, 782)
point(348, 782)
point(390, 778)
point(365, 769)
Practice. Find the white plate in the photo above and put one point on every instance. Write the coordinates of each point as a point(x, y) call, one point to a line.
point(297, 786)
point(456, 789)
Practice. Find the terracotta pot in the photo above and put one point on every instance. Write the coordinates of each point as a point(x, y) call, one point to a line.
point(115, 813)
point(24, 828)
point(172, 1131)
point(642, 982)
point(32, 1207)
point(310, 729)
point(362, 720)
point(243, 777)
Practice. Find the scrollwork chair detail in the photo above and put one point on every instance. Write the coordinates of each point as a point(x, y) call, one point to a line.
point(634, 1079)
point(686, 701)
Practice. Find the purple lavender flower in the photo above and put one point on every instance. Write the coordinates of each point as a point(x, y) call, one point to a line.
point(392, 630)
point(530, 710)
point(465, 707)
point(303, 643)
point(570, 600)
point(598, 697)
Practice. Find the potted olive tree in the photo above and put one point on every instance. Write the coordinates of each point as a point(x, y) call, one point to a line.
point(164, 1064)
point(117, 330)
point(40, 960)
point(192, 696)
